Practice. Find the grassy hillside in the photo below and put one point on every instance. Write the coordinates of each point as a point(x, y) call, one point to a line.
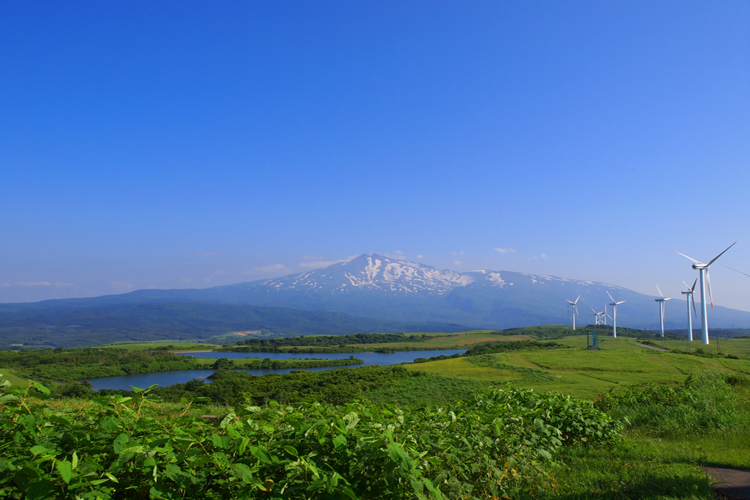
point(584, 373)
point(81, 327)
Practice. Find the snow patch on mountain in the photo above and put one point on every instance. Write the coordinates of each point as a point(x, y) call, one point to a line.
point(384, 274)
point(496, 280)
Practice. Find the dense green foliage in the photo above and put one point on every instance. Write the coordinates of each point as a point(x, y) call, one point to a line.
point(553, 332)
point(494, 445)
point(329, 340)
point(437, 358)
point(77, 364)
point(706, 401)
point(519, 345)
point(371, 383)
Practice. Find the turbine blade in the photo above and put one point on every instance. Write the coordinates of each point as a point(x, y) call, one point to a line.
point(579, 298)
point(694, 282)
point(622, 301)
point(610, 296)
point(657, 287)
point(710, 294)
point(696, 261)
point(722, 253)
point(692, 298)
point(735, 270)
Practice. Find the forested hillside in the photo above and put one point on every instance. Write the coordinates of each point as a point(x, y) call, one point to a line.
point(32, 325)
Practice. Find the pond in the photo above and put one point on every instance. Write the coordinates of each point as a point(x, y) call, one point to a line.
point(144, 380)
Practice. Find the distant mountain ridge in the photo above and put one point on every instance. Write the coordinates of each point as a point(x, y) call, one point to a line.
point(387, 289)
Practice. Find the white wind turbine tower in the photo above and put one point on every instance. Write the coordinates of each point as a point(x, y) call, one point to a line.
point(690, 299)
point(614, 305)
point(662, 305)
point(606, 314)
point(705, 280)
point(574, 309)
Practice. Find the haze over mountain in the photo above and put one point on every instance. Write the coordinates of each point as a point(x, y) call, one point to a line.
point(401, 293)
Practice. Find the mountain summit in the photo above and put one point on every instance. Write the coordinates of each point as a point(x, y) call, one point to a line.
point(374, 273)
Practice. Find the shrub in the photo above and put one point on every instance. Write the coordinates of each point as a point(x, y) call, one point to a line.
point(705, 401)
point(119, 447)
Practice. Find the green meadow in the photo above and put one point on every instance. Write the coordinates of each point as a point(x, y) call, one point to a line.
point(677, 413)
point(580, 372)
point(621, 365)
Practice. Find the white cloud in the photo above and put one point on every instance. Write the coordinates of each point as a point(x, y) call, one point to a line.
point(460, 252)
point(46, 283)
point(504, 251)
point(420, 256)
point(4, 285)
point(458, 262)
point(544, 256)
point(207, 254)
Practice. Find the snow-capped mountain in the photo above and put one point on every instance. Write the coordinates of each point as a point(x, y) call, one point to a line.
point(375, 272)
point(383, 288)
point(378, 273)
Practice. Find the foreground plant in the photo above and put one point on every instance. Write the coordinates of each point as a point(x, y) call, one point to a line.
point(498, 444)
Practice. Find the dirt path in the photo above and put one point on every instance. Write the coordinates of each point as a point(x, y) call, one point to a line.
point(651, 347)
point(732, 483)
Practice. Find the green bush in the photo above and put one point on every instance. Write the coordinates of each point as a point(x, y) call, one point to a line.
point(118, 447)
point(704, 402)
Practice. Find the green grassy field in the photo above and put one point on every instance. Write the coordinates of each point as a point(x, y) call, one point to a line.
point(580, 372)
point(12, 377)
point(619, 364)
point(737, 347)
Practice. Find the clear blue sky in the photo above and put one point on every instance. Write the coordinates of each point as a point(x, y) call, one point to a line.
point(192, 144)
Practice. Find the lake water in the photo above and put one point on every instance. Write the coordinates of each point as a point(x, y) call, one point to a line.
point(144, 380)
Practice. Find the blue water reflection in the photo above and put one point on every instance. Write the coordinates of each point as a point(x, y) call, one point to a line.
point(181, 376)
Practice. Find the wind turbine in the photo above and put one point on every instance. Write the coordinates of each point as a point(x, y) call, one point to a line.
point(574, 309)
point(662, 305)
point(614, 305)
point(598, 315)
point(705, 279)
point(606, 314)
point(690, 298)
